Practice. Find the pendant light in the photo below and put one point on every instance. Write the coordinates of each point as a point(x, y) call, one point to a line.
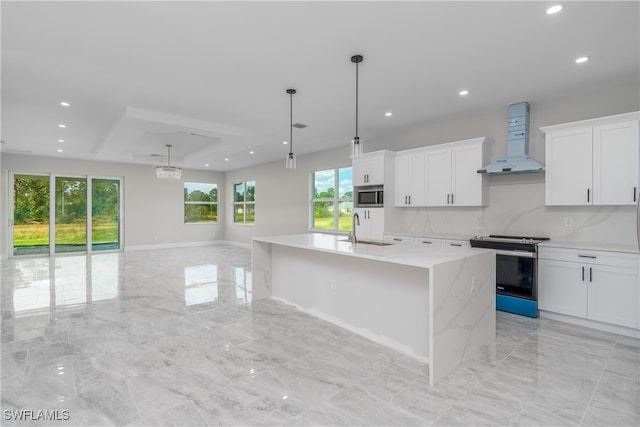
point(168, 172)
point(356, 146)
point(290, 161)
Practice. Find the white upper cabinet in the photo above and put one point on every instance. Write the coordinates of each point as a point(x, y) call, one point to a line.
point(410, 178)
point(451, 173)
point(368, 169)
point(593, 162)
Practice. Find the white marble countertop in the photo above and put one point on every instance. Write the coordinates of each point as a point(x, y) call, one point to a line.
point(593, 246)
point(405, 253)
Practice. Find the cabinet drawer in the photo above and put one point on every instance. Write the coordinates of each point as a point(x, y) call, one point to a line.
point(428, 241)
point(398, 238)
point(456, 243)
point(615, 259)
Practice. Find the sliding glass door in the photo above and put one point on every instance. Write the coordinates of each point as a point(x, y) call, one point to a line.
point(60, 214)
point(30, 217)
point(71, 215)
point(105, 214)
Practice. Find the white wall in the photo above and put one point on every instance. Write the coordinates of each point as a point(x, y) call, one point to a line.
point(283, 196)
point(153, 209)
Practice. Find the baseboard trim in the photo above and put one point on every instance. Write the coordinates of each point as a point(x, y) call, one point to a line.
point(186, 245)
point(605, 327)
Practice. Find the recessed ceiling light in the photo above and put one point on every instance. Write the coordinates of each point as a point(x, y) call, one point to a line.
point(285, 142)
point(61, 140)
point(554, 9)
point(62, 125)
point(388, 114)
point(251, 152)
point(226, 160)
point(59, 150)
point(464, 92)
point(207, 164)
point(582, 60)
point(64, 103)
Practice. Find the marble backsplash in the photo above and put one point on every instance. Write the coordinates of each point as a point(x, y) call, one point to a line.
point(516, 207)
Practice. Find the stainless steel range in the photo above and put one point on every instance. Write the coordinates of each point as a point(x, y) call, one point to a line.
point(516, 271)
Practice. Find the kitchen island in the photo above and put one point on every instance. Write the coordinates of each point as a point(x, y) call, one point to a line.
point(433, 303)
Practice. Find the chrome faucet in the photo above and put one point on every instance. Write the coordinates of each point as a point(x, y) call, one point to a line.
point(352, 234)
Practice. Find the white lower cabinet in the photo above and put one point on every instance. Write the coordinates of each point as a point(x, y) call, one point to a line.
point(371, 223)
point(596, 285)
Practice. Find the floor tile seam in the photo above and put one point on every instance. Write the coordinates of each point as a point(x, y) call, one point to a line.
point(597, 386)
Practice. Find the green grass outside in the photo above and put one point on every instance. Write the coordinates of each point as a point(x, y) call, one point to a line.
point(326, 223)
point(66, 234)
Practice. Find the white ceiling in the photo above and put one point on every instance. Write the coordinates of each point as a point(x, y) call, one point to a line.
point(140, 75)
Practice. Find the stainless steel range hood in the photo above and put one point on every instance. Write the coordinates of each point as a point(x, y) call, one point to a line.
point(517, 159)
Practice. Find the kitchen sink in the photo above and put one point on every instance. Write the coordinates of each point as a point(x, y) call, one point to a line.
point(369, 242)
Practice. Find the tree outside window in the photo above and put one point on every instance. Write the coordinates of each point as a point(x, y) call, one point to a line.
point(331, 209)
point(200, 202)
point(244, 206)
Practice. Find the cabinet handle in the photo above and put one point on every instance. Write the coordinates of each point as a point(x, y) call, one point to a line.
point(587, 256)
point(583, 273)
point(635, 191)
point(405, 200)
point(588, 195)
point(397, 240)
point(451, 198)
point(590, 274)
point(455, 244)
point(426, 242)
point(409, 199)
point(448, 198)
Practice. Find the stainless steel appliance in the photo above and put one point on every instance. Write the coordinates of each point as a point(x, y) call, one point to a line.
point(516, 271)
point(370, 196)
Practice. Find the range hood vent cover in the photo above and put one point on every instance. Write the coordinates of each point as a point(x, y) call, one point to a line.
point(517, 159)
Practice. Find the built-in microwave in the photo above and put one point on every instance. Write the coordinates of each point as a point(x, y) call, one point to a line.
point(371, 196)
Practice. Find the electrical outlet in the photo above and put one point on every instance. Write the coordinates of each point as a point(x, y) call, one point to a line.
point(568, 221)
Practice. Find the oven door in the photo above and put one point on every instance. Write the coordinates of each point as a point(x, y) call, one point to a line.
point(516, 273)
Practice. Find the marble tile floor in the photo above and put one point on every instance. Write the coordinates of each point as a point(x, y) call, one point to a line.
point(170, 337)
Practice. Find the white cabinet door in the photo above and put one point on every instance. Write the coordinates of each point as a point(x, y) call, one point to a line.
point(376, 171)
point(368, 170)
point(562, 287)
point(371, 223)
point(466, 182)
point(615, 164)
point(360, 171)
point(438, 177)
point(402, 180)
point(613, 295)
point(568, 158)
point(417, 182)
point(410, 179)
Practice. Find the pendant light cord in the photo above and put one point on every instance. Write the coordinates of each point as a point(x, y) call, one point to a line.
point(291, 126)
point(168, 155)
point(357, 102)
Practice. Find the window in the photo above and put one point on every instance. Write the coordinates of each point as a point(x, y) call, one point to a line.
point(244, 206)
point(331, 209)
point(200, 202)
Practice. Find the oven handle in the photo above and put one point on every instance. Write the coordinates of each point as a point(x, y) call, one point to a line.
point(517, 253)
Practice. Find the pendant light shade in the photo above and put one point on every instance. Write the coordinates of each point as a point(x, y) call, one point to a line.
point(356, 145)
point(168, 172)
point(290, 161)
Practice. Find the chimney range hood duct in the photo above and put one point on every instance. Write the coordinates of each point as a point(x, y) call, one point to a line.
point(517, 159)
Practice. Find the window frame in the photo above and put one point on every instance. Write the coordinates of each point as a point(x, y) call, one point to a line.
point(244, 202)
point(216, 203)
point(336, 200)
